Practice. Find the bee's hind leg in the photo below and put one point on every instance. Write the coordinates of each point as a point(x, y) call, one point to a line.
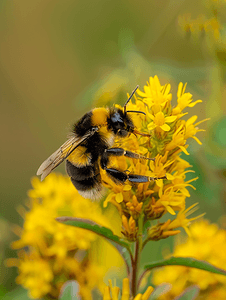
point(121, 177)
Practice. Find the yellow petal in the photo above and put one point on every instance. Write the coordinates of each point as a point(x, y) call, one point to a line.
point(119, 197)
point(141, 93)
point(170, 176)
point(138, 297)
point(147, 294)
point(115, 292)
point(167, 90)
point(125, 289)
point(170, 210)
point(191, 120)
point(170, 119)
point(184, 150)
point(107, 295)
point(194, 103)
point(179, 90)
point(127, 187)
point(165, 127)
point(185, 85)
point(108, 199)
point(151, 126)
point(202, 121)
point(197, 140)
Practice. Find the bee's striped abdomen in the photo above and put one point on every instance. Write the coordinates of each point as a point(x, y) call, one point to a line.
point(86, 179)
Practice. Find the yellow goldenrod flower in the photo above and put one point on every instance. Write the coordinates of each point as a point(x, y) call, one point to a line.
point(160, 166)
point(170, 200)
point(159, 121)
point(191, 128)
point(206, 242)
point(181, 219)
point(155, 95)
point(178, 140)
point(57, 253)
point(169, 135)
point(183, 100)
point(112, 292)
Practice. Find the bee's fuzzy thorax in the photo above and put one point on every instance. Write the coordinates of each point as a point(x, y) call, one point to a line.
point(99, 116)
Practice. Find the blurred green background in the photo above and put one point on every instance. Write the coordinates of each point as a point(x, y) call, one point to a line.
point(58, 57)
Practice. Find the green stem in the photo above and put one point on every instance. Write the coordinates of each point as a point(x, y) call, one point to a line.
point(136, 260)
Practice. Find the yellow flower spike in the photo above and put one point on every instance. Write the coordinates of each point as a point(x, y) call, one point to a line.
point(50, 245)
point(107, 295)
point(125, 289)
point(148, 293)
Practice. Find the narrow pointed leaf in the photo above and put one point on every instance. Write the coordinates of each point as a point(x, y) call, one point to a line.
point(187, 262)
point(94, 227)
point(190, 293)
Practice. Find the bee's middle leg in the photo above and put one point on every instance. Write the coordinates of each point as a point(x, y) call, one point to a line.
point(119, 152)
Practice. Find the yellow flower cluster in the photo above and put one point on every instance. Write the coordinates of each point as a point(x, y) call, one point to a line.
point(206, 242)
point(112, 292)
point(168, 138)
point(55, 252)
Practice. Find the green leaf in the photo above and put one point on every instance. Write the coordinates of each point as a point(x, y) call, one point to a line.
point(189, 294)
point(18, 294)
point(69, 291)
point(160, 290)
point(94, 227)
point(187, 262)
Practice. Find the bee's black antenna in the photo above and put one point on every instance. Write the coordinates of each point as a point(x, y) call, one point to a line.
point(136, 111)
point(130, 97)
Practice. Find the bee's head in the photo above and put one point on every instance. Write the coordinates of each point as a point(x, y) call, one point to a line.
point(120, 121)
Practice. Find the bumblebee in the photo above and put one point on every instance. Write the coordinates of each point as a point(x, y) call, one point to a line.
point(90, 147)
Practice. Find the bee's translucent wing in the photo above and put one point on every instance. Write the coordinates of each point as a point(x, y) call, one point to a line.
point(62, 153)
